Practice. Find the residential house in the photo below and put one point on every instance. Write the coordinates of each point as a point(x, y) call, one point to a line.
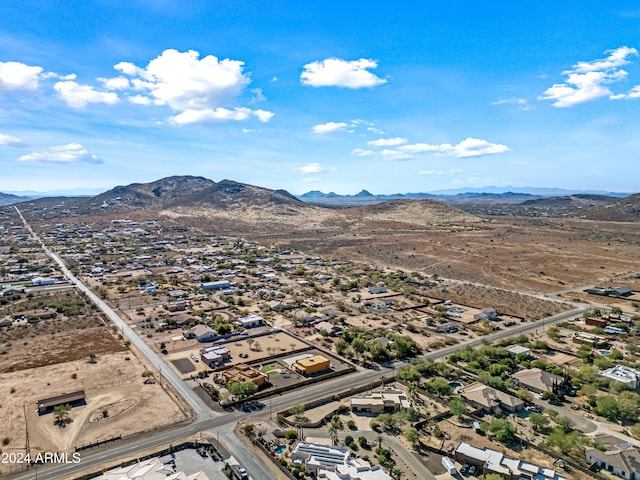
point(385, 401)
point(250, 321)
point(620, 458)
point(151, 469)
point(538, 380)
point(516, 350)
point(593, 341)
point(449, 327)
point(214, 356)
point(486, 314)
point(489, 399)
point(244, 373)
point(510, 468)
point(202, 333)
point(622, 374)
point(328, 327)
point(217, 285)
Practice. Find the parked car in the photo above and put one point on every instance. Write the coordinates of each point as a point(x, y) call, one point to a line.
point(472, 470)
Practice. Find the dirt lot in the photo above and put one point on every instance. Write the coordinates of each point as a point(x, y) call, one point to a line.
point(37, 349)
point(531, 254)
point(259, 349)
point(113, 383)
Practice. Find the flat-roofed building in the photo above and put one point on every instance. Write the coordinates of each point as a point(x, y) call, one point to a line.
point(250, 321)
point(311, 365)
point(151, 469)
point(244, 373)
point(622, 374)
point(47, 405)
point(386, 401)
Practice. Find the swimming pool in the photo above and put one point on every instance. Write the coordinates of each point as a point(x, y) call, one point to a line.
point(606, 353)
point(280, 450)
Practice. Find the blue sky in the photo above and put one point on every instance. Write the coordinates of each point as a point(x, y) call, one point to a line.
point(322, 95)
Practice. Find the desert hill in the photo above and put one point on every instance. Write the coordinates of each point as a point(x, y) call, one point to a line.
point(625, 210)
point(411, 212)
point(9, 199)
point(571, 201)
point(152, 195)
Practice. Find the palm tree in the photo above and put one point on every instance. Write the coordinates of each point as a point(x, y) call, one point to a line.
point(333, 435)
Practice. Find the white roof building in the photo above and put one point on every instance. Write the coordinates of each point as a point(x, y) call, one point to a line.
point(327, 462)
point(151, 469)
point(622, 374)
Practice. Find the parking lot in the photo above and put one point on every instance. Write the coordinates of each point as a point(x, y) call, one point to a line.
point(190, 461)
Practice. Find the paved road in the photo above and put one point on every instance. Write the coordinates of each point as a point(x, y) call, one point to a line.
point(510, 332)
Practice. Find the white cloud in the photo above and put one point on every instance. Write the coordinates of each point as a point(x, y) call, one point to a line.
point(395, 154)
point(258, 95)
point(139, 100)
point(377, 131)
point(329, 127)
point(521, 103)
point(310, 168)
point(218, 115)
point(63, 154)
point(451, 171)
point(334, 72)
point(183, 81)
point(78, 96)
point(116, 83)
point(387, 142)
point(9, 141)
point(18, 76)
point(359, 152)
point(127, 68)
point(588, 81)
point(469, 147)
point(200, 90)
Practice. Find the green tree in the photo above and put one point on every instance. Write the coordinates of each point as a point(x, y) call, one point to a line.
point(458, 407)
point(242, 389)
point(607, 406)
point(502, 429)
point(92, 357)
point(61, 413)
point(566, 423)
point(538, 421)
point(297, 411)
point(553, 333)
point(412, 435)
point(493, 476)
point(565, 442)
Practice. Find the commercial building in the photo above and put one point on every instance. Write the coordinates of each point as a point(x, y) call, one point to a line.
point(311, 365)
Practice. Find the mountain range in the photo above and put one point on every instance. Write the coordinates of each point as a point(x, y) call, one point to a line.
point(230, 201)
